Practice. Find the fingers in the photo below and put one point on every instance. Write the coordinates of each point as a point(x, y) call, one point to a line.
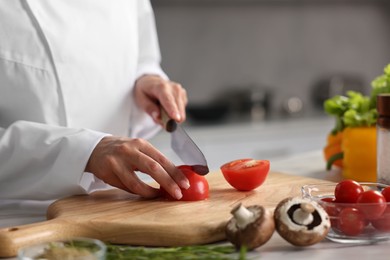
point(151, 91)
point(173, 98)
point(154, 163)
point(162, 170)
point(124, 178)
point(114, 160)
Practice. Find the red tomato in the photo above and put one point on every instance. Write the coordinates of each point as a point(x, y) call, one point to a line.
point(198, 190)
point(347, 191)
point(245, 174)
point(329, 200)
point(386, 193)
point(383, 222)
point(372, 203)
point(351, 221)
point(333, 210)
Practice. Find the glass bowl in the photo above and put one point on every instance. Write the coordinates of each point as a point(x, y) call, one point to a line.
point(72, 249)
point(349, 221)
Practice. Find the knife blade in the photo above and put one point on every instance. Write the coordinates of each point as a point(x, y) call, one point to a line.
point(184, 147)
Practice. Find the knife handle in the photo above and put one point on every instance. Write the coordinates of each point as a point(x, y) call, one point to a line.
point(168, 123)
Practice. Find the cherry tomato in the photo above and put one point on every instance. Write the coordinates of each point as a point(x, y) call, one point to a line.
point(198, 190)
point(328, 200)
point(347, 191)
point(331, 207)
point(386, 193)
point(372, 203)
point(245, 174)
point(351, 221)
point(383, 222)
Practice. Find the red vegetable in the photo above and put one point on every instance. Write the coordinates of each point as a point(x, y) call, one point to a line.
point(198, 190)
point(386, 193)
point(332, 208)
point(372, 204)
point(245, 174)
point(347, 191)
point(383, 222)
point(351, 221)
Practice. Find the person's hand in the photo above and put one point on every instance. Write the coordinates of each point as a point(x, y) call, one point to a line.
point(115, 159)
point(151, 92)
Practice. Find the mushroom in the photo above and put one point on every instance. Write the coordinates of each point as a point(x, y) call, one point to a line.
point(301, 222)
point(250, 226)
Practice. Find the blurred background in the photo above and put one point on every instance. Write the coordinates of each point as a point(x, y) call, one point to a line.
point(273, 62)
point(286, 55)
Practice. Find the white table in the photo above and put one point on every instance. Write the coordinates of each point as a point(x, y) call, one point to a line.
point(293, 147)
point(311, 164)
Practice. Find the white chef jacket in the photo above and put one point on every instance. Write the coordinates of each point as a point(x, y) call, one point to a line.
point(67, 69)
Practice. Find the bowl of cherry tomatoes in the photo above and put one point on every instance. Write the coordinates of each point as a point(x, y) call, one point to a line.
point(359, 212)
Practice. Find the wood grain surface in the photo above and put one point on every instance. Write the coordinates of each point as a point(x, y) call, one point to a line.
point(119, 217)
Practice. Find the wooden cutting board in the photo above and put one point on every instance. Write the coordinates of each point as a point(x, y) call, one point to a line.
point(119, 217)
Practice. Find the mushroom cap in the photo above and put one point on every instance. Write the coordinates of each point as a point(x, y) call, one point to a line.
point(255, 233)
point(299, 234)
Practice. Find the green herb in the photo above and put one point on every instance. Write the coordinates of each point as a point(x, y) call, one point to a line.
point(354, 109)
point(351, 110)
point(206, 252)
point(380, 85)
point(243, 251)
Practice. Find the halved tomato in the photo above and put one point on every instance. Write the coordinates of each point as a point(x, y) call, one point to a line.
point(245, 174)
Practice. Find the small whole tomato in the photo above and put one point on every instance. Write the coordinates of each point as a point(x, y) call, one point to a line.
point(351, 221)
point(329, 200)
point(332, 208)
point(383, 222)
point(347, 191)
point(198, 190)
point(245, 174)
point(386, 193)
point(372, 203)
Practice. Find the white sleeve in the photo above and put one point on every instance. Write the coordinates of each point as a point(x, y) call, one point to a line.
point(149, 59)
point(43, 162)
point(149, 56)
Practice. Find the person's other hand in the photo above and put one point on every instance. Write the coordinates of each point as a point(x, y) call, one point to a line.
point(151, 92)
point(115, 159)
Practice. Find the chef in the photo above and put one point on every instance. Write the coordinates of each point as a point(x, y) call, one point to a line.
point(80, 92)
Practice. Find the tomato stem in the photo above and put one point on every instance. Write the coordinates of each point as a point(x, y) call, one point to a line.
point(332, 159)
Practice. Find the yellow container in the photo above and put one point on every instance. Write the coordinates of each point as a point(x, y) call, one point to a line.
point(359, 147)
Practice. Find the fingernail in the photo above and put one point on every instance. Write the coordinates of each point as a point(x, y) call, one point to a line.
point(185, 184)
point(178, 194)
point(178, 117)
point(154, 115)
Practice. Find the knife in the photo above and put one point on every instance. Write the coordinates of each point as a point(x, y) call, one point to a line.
point(184, 146)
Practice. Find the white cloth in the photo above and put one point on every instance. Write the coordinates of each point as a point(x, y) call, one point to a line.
point(67, 69)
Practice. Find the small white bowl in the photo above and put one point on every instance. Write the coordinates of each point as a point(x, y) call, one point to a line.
point(72, 249)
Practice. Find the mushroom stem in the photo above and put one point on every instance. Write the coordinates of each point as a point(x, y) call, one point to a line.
point(303, 215)
point(242, 215)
